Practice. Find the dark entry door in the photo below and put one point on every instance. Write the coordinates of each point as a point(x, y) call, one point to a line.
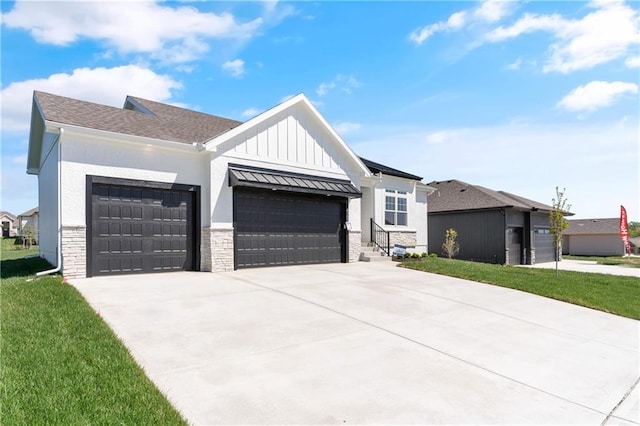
point(515, 246)
point(140, 229)
point(282, 228)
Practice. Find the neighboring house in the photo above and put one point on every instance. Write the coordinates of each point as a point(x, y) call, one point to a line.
point(9, 224)
point(493, 226)
point(152, 187)
point(28, 218)
point(593, 237)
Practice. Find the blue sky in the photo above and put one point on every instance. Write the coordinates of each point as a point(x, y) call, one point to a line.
point(514, 96)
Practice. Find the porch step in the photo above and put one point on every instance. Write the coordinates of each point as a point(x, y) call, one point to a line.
point(374, 257)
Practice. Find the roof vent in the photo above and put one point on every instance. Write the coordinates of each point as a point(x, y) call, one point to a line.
point(594, 220)
point(463, 189)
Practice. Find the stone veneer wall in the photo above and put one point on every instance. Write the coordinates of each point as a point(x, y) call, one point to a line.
point(355, 245)
point(404, 238)
point(74, 251)
point(216, 250)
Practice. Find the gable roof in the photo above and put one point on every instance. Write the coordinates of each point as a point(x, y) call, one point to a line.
point(593, 226)
point(7, 214)
point(30, 212)
point(386, 170)
point(455, 195)
point(297, 100)
point(144, 118)
point(160, 121)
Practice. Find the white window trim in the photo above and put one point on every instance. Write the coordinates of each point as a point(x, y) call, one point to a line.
point(396, 194)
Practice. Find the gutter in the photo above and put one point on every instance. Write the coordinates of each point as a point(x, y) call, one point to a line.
point(59, 254)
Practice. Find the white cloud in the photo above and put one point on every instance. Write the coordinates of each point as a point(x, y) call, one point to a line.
point(346, 127)
point(494, 10)
point(19, 159)
point(596, 95)
point(632, 62)
point(515, 65)
point(344, 83)
point(444, 136)
point(250, 112)
point(174, 34)
point(107, 86)
point(603, 35)
point(488, 11)
point(469, 154)
point(235, 67)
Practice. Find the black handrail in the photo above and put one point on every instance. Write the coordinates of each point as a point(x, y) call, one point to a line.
point(380, 238)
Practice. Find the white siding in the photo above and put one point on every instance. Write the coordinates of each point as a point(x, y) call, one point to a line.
point(420, 220)
point(82, 156)
point(48, 201)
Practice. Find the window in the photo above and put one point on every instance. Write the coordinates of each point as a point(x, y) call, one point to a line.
point(395, 208)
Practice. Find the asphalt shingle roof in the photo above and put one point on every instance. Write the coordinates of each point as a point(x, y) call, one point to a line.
point(165, 122)
point(30, 212)
point(455, 195)
point(593, 226)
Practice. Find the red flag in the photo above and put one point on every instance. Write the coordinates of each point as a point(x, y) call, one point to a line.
point(624, 230)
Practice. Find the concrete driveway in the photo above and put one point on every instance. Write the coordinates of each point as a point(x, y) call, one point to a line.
point(369, 343)
point(588, 266)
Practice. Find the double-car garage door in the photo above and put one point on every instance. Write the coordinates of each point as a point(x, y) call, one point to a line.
point(280, 228)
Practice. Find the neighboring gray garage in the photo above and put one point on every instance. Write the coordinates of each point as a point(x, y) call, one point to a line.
point(140, 227)
point(493, 226)
point(288, 219)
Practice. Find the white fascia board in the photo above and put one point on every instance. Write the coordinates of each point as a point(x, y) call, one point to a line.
point(425, 188)
point(298, 99)
point(122, 137)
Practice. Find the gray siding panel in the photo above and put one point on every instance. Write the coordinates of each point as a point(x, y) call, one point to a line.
point(481, 234)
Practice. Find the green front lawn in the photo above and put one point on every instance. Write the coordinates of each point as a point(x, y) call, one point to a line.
point(11, 248)
point(633, 262)
point(608, 293)
point(60, 363)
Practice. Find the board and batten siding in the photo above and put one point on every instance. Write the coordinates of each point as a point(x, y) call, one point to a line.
point(292, 137)
point(481, 234)
point(291, 141)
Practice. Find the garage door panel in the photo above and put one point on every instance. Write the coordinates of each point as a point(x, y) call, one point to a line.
point(141, 229)
point(545, 251)
point(286, 229)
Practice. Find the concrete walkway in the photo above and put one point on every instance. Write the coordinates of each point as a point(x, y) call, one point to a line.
point(589, 266)
point(369, 343)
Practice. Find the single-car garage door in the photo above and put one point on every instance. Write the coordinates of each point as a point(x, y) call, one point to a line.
point(141, 228)
point(543, 241)
point(283, 228)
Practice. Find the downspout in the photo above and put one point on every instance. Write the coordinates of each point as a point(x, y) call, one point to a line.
point(59, 254)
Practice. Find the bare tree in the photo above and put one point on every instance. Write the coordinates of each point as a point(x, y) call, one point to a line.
point(557, 222)
point(450, 246)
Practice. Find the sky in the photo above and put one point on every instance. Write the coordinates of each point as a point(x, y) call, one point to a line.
point(516, 96)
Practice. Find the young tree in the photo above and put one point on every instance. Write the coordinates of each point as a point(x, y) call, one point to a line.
point(557, 222)
point(28, 235)
point(450, 246)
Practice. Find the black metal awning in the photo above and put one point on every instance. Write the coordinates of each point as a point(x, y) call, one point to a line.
point(254, 177)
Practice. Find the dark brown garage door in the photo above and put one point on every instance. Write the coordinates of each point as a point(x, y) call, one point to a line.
point(281, 228)
point(140, 229)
